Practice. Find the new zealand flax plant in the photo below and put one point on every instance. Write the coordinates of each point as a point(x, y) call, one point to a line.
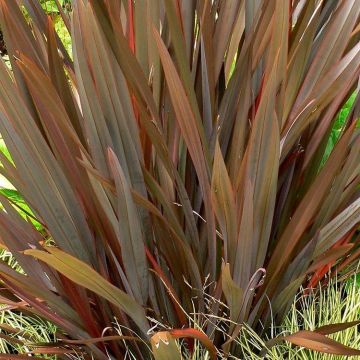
point(175, 165)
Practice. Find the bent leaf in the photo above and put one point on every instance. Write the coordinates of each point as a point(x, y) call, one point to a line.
point(164, 346)
point(82, 274)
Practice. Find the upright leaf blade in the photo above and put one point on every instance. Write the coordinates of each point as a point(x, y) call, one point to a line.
point(131, 236)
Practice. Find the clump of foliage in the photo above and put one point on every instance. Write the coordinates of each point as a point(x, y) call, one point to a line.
point(19, 330)
point(339, 302)
point(177, 196)
point(338, 126)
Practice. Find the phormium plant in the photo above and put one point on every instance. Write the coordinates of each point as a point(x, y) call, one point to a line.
point(175, 166)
